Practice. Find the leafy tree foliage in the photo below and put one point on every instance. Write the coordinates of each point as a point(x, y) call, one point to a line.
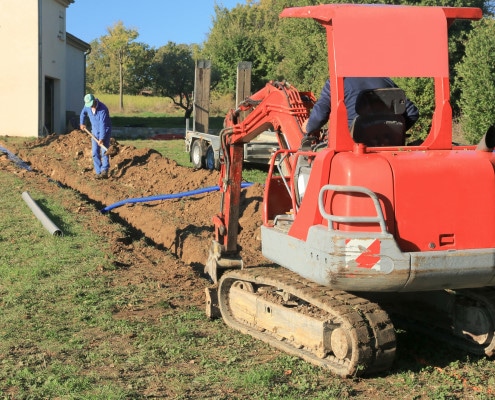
point(100, 76)
point(476, 76)
point(112, 57)
point(173, 68)
point(139, 71)
point(241, 34)
point(300, 46)
point(295, 49)
point(118, 46)
point(421, 92)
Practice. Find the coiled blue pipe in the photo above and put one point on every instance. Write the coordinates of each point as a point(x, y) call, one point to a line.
point(167, 196)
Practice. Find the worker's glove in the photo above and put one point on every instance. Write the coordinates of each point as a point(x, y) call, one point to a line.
point(306, 143)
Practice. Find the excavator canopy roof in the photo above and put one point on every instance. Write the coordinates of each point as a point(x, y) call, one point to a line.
point(386, 40)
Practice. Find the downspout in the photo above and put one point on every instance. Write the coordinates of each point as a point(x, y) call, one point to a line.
point(86, 54)
point(40, 70)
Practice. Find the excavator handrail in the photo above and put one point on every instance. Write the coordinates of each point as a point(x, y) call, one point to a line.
point(379, 219)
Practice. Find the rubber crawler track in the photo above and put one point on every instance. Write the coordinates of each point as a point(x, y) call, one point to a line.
point(485, 298)
point(431, 325)
point(369, 327)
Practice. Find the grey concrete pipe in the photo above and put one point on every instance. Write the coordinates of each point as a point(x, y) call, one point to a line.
point(38, 212)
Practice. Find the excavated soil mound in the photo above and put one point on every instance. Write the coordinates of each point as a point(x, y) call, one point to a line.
point(181, 227)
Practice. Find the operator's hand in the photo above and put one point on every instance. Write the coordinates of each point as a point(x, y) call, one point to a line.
point(82, 127)
point(304, 125)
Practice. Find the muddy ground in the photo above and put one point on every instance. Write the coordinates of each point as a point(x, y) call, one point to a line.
point(181, 227)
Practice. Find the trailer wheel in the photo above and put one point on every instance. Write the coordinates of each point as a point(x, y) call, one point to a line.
point(197, 154)
point(210, 161)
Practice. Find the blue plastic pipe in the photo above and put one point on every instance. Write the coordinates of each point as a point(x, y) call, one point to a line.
point(11, 156)
point(195, 192)
point(167, 196)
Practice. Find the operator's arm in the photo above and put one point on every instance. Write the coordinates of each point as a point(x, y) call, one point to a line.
point(321, 111)
point(105, 124)
point(82, 117)
point(411, 115)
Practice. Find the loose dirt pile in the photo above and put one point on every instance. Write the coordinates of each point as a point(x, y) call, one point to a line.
point(181, 227)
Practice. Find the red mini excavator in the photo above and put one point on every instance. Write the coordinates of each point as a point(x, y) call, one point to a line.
point(361, 225)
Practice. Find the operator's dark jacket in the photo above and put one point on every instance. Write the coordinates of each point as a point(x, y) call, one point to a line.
point(352, 87)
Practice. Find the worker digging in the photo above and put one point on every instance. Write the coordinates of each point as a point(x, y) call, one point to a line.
point(101, 126)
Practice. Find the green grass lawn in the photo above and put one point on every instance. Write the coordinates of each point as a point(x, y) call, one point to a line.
point(60, 338)
point(152, 112)
point(151, 120)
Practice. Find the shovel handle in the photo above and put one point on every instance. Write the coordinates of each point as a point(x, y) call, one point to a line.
point(94, 138)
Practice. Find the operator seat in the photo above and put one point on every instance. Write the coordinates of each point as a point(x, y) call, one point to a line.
point(379, 121)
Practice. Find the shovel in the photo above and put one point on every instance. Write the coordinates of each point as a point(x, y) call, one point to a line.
point(94, 138)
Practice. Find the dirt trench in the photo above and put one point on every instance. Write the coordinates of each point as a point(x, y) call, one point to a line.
point(181, 227)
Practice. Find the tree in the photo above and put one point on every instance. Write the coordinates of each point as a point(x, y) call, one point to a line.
point(140, 68)
point(100, 75)
point(302, 46)
point(244, 33)
point(476, 77)
point(173, 71)
point(117, 44)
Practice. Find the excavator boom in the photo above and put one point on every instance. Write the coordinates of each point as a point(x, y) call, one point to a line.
point(278, 107)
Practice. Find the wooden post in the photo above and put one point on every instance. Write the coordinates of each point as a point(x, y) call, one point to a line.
point(202, 95)
point(243, 84)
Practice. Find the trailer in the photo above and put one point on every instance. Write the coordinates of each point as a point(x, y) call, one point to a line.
point(205, 150)
point(203, 144)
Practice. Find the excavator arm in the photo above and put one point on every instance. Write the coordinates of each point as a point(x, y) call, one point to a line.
point(278, 107)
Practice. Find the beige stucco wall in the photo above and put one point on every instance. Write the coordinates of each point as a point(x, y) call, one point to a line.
point(19, 83)
point(33, 45)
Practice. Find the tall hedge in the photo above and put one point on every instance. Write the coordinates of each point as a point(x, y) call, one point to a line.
point(476, 80)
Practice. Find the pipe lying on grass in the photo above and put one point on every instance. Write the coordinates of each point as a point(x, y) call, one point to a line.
point(167, 196)
point(38, 212)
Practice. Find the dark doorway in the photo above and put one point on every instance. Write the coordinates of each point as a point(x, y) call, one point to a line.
point(49, 105)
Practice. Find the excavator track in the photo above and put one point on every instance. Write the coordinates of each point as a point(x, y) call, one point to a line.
point(346, 334)
point(463, 318)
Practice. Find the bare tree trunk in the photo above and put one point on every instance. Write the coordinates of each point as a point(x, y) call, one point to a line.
point(121, 85)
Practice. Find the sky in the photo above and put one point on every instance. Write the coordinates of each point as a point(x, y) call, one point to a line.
point(157, 21)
